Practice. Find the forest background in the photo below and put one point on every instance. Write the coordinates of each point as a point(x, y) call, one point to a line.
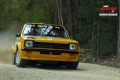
point(98, 34)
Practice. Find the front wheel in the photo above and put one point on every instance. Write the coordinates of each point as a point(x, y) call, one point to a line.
point(18, 61)
point(72, 65)
point(13, 59)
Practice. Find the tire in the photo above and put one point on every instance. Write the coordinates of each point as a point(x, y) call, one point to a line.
point(13, 59)
point(72, 65)
point(18, 61)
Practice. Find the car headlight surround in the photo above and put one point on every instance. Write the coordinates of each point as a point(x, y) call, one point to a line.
point(28, 43)
point(73, 46)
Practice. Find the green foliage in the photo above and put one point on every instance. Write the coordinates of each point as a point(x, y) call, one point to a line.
point(103, 39)
point(26, 11)
point(33, 10)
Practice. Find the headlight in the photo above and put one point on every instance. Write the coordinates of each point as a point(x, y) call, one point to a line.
point(28, 43)
point(72, 46)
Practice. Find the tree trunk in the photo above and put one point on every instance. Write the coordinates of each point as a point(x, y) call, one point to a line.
point(58, 10)
point(91, 47)
point(118, 51)
point(61, 18)
point(98, 41)
point(70, 19)
point(55, 13)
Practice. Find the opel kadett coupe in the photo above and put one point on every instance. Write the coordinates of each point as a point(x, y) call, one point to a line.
point(37, 42)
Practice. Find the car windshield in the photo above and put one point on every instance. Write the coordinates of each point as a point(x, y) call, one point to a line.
point(45, 30)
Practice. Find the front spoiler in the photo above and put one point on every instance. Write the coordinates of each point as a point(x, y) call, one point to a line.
point(51, 50)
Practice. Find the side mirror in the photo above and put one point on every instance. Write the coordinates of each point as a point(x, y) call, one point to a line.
point(17, 35)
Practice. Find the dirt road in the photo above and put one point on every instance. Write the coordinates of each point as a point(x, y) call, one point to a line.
point(84, 71)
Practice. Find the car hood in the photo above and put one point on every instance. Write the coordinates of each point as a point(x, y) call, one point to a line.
point(50, 39)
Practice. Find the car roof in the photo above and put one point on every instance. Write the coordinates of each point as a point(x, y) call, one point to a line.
point(43, 24)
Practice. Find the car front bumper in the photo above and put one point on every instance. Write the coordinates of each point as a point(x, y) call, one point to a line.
point(50, 54)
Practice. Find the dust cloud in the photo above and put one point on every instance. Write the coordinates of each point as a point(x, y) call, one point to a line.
point(6, 41)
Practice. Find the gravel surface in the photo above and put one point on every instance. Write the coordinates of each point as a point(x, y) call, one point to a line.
point(84, 72)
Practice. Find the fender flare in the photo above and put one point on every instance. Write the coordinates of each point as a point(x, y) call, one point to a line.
point(18, 47)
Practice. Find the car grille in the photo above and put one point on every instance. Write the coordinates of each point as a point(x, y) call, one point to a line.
point(51, 45)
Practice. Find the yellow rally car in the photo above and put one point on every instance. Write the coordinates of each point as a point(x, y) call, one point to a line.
point(38, 42)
